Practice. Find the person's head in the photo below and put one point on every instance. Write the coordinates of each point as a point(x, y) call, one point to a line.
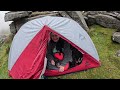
point(54, 37)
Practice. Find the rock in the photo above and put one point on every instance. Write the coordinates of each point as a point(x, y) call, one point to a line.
point(2, 39)
point(90, 20)
point(78, 17)
point(118, 53)
point(113, 18)
point(39, 16)
point(107, 21)
point(114, 14)
point(86, 13)
point(20, 17)
point(116, 37)
point(12, 28)
point(11, 16)
point(64, 14)
point(19, 23)
point(15, 26)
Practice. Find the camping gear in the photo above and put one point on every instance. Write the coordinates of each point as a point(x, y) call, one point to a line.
point(27, 56)
point(59, 55)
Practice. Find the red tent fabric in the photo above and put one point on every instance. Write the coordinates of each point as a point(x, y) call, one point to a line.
point(31, 61)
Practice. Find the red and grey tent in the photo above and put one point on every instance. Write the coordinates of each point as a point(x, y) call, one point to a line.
point(27, 56)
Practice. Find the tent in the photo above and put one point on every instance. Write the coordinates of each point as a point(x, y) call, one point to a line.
point(27, 56)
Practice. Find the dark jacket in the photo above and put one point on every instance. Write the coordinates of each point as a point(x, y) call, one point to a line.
point(61, 46)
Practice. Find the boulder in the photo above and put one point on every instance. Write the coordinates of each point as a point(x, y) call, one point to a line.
point(86, 13)
point(107, 21)
point(12, 16)
point(15, 26)
point(90, 20)
point(114, 14)
point(116, 37)
point(41, 15)
point(118, 53)
point(64, 14)
point(12, 28)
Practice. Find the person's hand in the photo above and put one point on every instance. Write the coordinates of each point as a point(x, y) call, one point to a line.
point(58, 64)
point(61, 68)
point(52, 62)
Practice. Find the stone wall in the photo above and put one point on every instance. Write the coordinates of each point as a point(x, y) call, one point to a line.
point(21, 17)
point(109, 19)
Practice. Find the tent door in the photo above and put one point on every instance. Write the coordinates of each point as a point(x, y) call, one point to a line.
point(44, 68)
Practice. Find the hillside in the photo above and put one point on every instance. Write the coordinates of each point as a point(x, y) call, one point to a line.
point(109, 69)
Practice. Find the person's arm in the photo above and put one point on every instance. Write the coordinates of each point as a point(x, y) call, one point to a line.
point(67, 54)
point(49, 52)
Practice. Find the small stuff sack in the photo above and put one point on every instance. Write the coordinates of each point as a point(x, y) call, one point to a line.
point(59, 55)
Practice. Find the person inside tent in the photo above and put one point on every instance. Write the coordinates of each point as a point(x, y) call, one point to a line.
point(58, 54)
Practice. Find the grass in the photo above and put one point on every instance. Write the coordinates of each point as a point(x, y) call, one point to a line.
point(107, 52)
point(110, 63)
point(4, 51)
